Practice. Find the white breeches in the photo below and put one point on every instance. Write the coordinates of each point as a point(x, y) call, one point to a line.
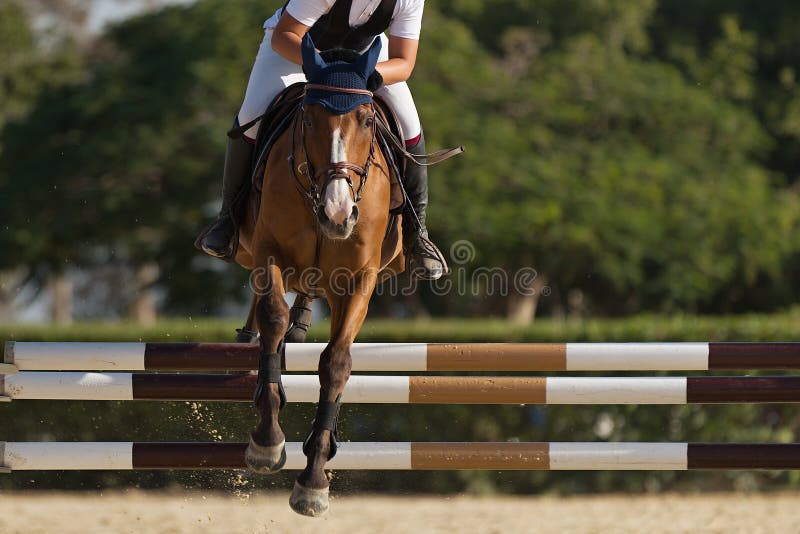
point(272, 73)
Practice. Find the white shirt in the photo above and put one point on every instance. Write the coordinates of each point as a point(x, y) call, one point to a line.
point(406, 21)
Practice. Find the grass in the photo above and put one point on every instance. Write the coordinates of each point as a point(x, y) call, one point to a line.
point(754, 327)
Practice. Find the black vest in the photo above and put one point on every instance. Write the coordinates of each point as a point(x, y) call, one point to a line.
point(333, 30)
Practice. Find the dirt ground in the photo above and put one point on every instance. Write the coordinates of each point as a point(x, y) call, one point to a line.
point(198, 513)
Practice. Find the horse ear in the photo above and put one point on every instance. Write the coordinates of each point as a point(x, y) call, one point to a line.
point(312, 61)
point(369, 59)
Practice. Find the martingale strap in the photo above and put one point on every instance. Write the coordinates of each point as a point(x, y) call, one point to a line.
point(326, 419)
point(269, 372)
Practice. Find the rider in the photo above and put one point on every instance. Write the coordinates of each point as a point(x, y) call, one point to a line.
point(349, 24)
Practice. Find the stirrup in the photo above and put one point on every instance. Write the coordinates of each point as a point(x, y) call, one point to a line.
point(426, 249)
point(233, 243)
point(326, 419)
point(233, 215)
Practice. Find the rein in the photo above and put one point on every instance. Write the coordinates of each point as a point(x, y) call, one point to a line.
point(334, 171)
point(332, 89)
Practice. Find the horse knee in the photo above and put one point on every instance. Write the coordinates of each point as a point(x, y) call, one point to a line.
point(335, 365)
point(273, 317)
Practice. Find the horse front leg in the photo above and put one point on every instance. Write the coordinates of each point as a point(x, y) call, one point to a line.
point(310, 494)
point(266, 451)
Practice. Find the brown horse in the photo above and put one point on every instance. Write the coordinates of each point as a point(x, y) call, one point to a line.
point(321, 230)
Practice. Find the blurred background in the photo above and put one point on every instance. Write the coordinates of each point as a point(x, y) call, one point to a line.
point(638, 160)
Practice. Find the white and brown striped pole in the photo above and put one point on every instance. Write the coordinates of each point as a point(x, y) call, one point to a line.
point(407, 389)
point(30, 356)
point(409, 456)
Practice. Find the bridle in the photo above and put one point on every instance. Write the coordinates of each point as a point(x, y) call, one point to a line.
point(334, 171)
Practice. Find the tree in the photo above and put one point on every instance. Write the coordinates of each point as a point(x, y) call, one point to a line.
point(26, 70)
point(136, 148)
point(608, 172)
point(638, 155)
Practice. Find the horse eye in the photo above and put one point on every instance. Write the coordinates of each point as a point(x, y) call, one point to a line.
point(307, 121)
point(369, 121)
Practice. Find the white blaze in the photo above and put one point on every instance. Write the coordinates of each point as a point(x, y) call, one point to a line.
point(338, 150)
point(338, 201)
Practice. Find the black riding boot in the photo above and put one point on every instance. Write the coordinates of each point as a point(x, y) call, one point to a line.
point(218, 240)
point(423, 258)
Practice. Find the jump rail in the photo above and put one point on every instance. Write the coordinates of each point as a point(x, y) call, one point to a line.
point(410, 456)
point(27, 372)
point(408, 389)
point(26, 356)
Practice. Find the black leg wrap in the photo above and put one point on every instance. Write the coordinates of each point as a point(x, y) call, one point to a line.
point(269, 372)
point(299, 323)
point(326, 418)
point(243, 335)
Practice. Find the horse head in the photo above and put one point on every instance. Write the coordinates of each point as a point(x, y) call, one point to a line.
point(338, 133)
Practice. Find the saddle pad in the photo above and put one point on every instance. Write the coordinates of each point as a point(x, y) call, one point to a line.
point(274, 122)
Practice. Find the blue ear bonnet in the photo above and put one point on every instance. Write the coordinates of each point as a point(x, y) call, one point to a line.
point(337, 73)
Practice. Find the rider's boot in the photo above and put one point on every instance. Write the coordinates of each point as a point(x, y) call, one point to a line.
point(423, 258)
point(219, 239)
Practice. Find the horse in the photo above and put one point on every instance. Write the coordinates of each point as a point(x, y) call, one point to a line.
point(321, 230)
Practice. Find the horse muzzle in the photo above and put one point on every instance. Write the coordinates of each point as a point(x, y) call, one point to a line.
point(338, 230)
point(338, 213)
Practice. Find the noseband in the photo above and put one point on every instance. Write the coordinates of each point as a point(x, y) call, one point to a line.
point(334, 171)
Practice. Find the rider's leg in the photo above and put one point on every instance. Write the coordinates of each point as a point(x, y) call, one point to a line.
point(270, 75)
point(218, 240)
point(424, 260)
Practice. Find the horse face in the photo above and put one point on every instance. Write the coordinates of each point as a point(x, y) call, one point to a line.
point(336, 139)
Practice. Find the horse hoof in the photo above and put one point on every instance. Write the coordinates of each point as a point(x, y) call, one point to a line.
point(310, 502)
point(265, 460)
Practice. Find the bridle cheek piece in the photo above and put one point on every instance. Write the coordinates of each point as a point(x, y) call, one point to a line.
point(334, 171)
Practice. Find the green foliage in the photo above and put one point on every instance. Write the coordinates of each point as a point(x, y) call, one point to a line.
point(639, 153)
point(783, 326)
point(25, 68)
point(137, 146)
point(16, 46)
point(607, 171)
